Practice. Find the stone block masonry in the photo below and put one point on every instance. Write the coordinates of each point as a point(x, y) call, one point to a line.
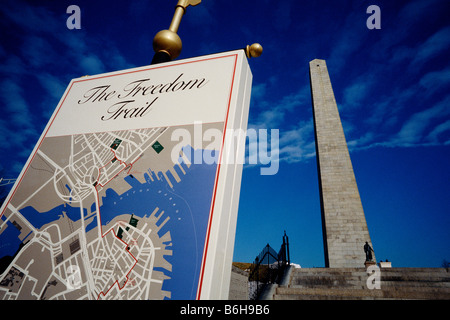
point(343, 222)
point(352, 284)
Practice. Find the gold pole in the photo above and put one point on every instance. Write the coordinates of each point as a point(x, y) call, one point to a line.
point(179, 12)
point(168, 42)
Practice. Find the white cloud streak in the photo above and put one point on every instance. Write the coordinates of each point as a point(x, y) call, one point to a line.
point(46, 38)
point(412, 110)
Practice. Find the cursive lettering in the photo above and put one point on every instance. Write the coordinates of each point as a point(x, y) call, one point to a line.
point(142, 87)
point(133, 93)
point(97, 94)
point(122, 109)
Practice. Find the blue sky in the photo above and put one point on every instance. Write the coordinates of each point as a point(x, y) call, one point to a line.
point(391, 85)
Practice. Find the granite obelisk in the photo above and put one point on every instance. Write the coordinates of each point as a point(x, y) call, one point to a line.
point(343, 221)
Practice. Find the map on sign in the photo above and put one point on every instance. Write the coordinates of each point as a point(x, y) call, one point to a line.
point(116, 200)
point(101, 215)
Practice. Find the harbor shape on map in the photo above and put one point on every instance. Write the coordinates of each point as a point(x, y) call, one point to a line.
point(65, 250)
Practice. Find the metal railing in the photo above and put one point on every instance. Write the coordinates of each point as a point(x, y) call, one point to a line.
point(268, 267)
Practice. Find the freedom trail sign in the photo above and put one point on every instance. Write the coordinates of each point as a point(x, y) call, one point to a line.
point(111, 205)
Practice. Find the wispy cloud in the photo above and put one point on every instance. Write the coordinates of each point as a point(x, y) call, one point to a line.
point(41, 39)
point(18, 126)
point(433, 136)
point(435, 80)
point(202, 15)
point(15, 104)
point(298, 143)
point(377, 110)
point(397, 101)
point(434, 45)
point(30, 18)
point(37, 51)
point(92, 64)
point(52, 84)
point(362, 141)
point(413, 130)
point(348, 39)
point(390, 46)
point(357, 92)
point(272, 114)
point(296, 140)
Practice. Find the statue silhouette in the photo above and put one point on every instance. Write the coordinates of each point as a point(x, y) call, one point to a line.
point(368, 250)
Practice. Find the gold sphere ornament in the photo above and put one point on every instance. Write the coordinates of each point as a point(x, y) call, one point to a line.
point(169, 42)
point(254, 51)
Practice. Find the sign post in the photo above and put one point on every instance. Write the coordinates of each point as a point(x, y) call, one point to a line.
point(167, 44)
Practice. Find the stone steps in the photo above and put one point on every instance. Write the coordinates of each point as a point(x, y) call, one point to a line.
point(351, 284)
point(357, 294)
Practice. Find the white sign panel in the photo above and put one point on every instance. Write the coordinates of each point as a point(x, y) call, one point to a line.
point(131, 192)
point(148, 97)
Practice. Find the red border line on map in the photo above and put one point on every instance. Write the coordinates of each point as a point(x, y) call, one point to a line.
point(130, 166)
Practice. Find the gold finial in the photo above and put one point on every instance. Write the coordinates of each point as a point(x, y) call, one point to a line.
point(168, 41)
point(253, 51)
